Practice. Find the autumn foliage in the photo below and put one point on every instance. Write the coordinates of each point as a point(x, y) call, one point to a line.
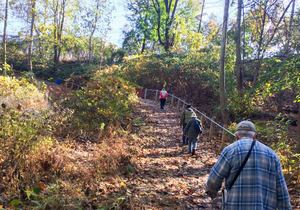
point(103, 101)
point(64, 149)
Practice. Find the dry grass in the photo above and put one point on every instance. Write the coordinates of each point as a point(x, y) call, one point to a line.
point(21, 94)
point(74, 171)
point(80, 173)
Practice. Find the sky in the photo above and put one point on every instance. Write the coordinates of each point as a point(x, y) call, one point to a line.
point(115, 35)
point(215, 7)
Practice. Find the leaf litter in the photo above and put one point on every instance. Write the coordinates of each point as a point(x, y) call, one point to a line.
point(166, 176)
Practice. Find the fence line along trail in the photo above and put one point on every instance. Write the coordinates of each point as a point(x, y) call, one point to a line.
point(167, 177)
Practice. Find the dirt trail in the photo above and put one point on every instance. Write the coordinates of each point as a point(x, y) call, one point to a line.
point(168, 177)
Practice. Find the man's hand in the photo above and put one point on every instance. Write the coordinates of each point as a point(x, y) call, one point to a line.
point(213, 196)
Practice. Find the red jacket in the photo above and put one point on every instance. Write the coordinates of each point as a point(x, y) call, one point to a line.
point(163, 94)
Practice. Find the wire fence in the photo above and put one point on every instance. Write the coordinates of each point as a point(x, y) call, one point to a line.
point(184, 103)
point(153, 95)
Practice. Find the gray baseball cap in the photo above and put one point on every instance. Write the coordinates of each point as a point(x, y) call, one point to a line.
point(245, 126)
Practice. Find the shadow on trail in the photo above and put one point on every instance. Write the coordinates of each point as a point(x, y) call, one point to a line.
point(165, 154)
point(167, 177)
point(159, 146)
point(157, 170)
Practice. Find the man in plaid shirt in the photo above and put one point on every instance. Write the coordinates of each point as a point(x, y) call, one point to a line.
point(260, 185)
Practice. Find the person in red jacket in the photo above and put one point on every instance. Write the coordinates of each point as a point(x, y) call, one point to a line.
point(162, 97)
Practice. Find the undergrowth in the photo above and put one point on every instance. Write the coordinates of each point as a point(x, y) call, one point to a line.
point(75, 154)
point(58, 157)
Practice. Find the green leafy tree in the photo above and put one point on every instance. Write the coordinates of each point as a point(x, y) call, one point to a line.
point(172, 24)
point(96, 20)
point(140, 30)
point(223, 101)
point(263, 22)
point(239, 68)
point(167, 23)
point(201, 15)
point(26, 10)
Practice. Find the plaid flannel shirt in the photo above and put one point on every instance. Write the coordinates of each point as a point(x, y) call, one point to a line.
point(260, 185)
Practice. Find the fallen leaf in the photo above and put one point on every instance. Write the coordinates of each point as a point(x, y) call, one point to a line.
point(41, 184)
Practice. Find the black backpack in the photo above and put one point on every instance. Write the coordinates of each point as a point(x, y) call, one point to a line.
point(197, 126)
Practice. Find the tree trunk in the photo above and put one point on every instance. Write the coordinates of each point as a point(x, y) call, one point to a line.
point(244, 37)
point(238, 62)
point(31, 37)
point(260, 51)
point(153, 46)
point(61, 26)
point(102, 50)
point(92, 33)
point(90, 46)
point(223, 101)
point(199, 28)
point(298, 132)
point(55, 32)
point(169, 41)
point(143, 45)
point(4, 38)
point(279, 100)
point(259, 46)
point(145, 30)
point(286, 47)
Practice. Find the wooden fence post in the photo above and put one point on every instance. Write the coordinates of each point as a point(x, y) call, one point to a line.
point(145, 93)
point(202, 121)
point(211, 130)
point(46, 96)
point(223, 139)
point(183, 106)
point(156, 95)
point(177, 108)
point(172, 101)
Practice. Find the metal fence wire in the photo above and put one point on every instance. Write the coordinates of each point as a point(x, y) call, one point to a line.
point(152, 96)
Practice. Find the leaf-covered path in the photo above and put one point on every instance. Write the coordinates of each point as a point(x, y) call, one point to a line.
point(167, 177)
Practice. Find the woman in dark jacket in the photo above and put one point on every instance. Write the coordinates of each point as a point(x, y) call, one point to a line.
point(192, 133)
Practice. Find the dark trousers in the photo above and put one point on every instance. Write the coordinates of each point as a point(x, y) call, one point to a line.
point(162, 103)
point(184, 138)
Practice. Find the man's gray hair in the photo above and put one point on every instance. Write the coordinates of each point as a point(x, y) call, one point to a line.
point(241, 134)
